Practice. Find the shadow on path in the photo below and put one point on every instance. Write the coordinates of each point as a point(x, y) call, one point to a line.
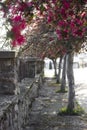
point(45, 108)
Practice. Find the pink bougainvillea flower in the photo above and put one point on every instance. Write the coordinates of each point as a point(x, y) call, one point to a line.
point(58, 31)
point(71, 12)
point(16, 18)
point(51, 39)
point(78, 22)
point(30, 4)
point(15, 30)
point(17, 38)
point(19, 21)
point(14, 43)
point(54, 1)
point(66, 4)
point(63, 12)
point(49, 19)
point(20, 40)
point(83, 14)
point(23, 25)
point(59, 34)
point(62, 23)
point(79, 33)
point(22, 6)
point(72, 25)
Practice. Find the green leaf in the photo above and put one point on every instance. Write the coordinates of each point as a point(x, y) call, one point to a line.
point(10, 34)
point(42, 8)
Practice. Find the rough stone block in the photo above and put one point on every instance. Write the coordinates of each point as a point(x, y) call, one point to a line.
point(7, 72)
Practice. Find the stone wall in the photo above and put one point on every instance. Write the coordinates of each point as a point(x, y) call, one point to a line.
point(7, 72)
point(14, 109)
point(29, 67)
point(16, 96)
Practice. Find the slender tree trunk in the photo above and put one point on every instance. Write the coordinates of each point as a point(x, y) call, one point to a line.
point(55, 67)
point(50, 65)
point(59, 72)
point(63, 82)
point(70, 76)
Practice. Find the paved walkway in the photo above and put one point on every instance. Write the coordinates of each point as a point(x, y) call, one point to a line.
point(81, 94)
point(45, 108)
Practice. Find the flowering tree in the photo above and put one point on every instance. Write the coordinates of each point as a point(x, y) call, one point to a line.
point(68, 17)
point(69, 21)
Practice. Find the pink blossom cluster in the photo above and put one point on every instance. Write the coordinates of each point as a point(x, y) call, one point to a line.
point(18, 24)
point(67, 17)
point(15, 14)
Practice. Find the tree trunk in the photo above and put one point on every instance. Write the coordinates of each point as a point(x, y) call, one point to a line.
point(50, 65)
point(70, 76)
point(59, 72)
point(63, 82)
point(55, 67)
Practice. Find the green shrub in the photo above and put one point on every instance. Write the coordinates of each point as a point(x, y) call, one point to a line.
point(77, 111)
point(54, 85)
point(61, 91)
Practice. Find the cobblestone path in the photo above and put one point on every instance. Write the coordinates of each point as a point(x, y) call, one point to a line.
point(45, 108)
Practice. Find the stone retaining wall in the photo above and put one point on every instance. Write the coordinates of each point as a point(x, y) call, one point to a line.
point(29, 67)
point(7, 72)
point(14, 109)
